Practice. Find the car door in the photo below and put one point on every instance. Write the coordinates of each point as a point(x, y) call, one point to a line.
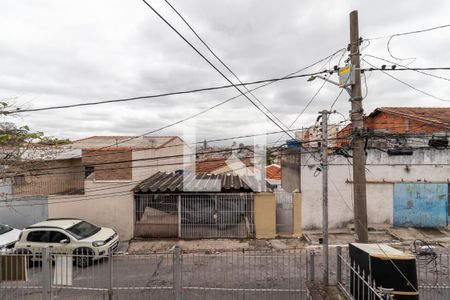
point(59, 242)
point(36, 240)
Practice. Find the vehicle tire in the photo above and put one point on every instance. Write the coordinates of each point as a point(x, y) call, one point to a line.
point(29, 256)
point(83, 257)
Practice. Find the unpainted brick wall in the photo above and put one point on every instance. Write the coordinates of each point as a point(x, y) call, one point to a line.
point(109, 164)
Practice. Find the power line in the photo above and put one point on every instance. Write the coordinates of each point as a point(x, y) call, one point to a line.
point(227, 100)
point(407, 32)
point(410, 86)
point(210, 63)
point(314, 96)
point(418, 70)
point(270, 80)
point(221, 61)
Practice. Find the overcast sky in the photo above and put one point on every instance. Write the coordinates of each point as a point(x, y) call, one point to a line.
point(63, 52)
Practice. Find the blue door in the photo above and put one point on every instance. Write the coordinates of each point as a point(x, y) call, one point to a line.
point(420, 204)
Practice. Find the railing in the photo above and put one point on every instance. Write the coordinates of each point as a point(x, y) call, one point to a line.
point(170, 275)
point(433, 273)
point(355, 283)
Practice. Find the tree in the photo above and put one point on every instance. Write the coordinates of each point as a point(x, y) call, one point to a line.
point(270, 157)
point(22, 149)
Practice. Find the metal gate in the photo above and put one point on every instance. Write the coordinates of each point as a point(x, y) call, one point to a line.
point(421, 204)
point(285, 212)
point(217, 215)
point(196, 215)
point(156, 215)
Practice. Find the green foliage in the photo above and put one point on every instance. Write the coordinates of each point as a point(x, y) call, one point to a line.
point(270, 157)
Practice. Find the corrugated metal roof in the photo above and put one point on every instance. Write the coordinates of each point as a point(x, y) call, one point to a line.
point(171, 182)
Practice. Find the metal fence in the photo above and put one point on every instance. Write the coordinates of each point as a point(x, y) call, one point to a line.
point(433, 274)
point(171, 275)
point(354, 283)
point(201, 215)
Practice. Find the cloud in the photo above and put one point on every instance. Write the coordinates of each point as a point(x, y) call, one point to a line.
point(62, 52)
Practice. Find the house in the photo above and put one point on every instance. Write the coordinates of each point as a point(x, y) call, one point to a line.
point(402, 190)
point(407, 171)
point(40, 171)
point(401, 126)
point(312, 135)
point(106, 169)
point(206, 205)
point(273, 176)
point(224, 165)
point(198, 205)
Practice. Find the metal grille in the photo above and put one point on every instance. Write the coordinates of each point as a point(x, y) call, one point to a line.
point(355, 284)
point(285, 212)
point(202, 215)
point(217, 216)
point(156, 215)
point(171, 275)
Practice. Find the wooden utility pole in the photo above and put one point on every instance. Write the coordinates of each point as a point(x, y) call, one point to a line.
point(324, 165)
point(356, 116)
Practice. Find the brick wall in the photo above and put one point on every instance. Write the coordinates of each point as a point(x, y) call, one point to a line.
point(50, 177)
point(101, 160)
point(388, 123)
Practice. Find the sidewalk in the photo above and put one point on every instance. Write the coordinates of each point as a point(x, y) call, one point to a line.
point(380, 233)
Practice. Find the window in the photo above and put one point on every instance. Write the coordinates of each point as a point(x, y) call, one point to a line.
point(40, 236)
point(88, 170)
point(57, 237)
point(19, 180)
point(4, 229)
point(83, 230)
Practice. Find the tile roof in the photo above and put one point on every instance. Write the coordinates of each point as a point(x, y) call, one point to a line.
point(439, 116)
point(173, 182)
point(213, 164)
point(273, 172)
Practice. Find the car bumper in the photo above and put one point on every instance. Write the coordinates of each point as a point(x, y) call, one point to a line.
point(111, 247)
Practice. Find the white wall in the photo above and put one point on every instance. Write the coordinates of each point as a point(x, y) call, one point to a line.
point(107, 204)
point(168, 159)
point(111, 203)
point(424, 165)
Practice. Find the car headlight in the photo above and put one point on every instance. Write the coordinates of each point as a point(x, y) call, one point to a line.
point(98, 243)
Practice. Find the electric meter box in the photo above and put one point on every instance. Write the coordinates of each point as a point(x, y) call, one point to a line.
point(389, 268)
point(346, 76)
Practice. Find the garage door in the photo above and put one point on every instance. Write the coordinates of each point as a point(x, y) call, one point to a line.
point(421, 204)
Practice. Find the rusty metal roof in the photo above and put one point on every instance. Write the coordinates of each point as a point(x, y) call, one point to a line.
point(163, 182)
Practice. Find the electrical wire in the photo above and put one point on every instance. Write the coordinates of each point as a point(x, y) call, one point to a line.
point(409, 33)
point(415, 70)
point(411, 86)
point(212, 65)
point(270, 80)
point(221, 61)
point(225, 101)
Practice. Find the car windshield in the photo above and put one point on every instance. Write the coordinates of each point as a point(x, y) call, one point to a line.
point(83, 230)
point(4, 229)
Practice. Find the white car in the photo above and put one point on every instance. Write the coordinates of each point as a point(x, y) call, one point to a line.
point(87, 242)
point(8, 236)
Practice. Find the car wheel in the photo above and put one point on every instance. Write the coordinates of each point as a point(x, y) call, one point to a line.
point(83, 257)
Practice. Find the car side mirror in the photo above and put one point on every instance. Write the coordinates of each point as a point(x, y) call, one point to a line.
point(64, 241)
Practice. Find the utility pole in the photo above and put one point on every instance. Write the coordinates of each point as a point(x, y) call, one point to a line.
point(324, 164)
point(356, 116)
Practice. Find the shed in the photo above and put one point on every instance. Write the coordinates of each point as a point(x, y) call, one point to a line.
point(194, 206)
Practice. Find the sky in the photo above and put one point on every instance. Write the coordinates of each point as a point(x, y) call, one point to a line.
point(64, 52)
